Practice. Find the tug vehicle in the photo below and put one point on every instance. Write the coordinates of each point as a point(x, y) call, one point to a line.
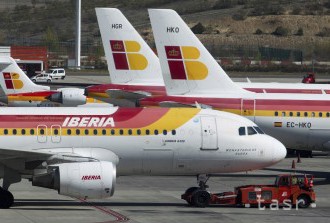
point(288, 190)
point(309, 78)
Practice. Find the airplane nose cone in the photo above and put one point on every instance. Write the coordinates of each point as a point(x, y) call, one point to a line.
point(279, 151)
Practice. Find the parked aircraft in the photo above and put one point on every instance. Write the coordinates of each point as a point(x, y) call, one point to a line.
point(20, 91)
point(133, 83)
point(299, 121)
point(80, 151)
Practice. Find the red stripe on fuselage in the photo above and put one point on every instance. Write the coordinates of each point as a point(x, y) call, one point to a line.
point(289, 91)
point(35, 94)
point(123, 118)
point(235, 103)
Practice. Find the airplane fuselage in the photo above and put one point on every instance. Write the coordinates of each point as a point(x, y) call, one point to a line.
point(147, 141)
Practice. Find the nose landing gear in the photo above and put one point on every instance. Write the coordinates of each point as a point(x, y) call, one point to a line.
point(199, 196)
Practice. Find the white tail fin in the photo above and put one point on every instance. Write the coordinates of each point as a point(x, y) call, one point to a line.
point(13, 80)
point(130, 60)
point(187, 66)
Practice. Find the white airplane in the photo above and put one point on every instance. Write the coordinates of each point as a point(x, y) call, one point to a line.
point(81, 151)
point(299, 121)
point(135, 82)
point(20, 91)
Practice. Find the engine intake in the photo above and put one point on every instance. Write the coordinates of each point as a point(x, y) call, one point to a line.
point(93, 180)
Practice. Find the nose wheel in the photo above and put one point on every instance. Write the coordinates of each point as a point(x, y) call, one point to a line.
point(198, 196)
point(6, 199)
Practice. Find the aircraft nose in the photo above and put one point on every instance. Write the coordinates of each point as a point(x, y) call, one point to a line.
point(279, 151)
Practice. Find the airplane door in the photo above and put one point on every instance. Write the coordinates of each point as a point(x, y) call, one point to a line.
point(209, 133)
point(42, 133)
point(56, 133)
point(248, 107)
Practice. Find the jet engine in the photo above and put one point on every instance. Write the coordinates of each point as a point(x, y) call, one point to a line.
point(93, 180)
point(69, 96)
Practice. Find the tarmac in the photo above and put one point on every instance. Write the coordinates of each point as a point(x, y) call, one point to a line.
point(148, 199)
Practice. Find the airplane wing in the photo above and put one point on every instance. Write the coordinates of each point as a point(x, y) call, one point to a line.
point(21, 159)
point(8, 154)
point(123, 98)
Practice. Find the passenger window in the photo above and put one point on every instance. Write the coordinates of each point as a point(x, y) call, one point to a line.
point(305, 114)
point(283, 114)
point(241, 131)
point(251, 131)
point(31, 131)
point(42, 132)
point(298, 114)
point(320, 114)
point(130, 132)
point(68, 131)
point(55, 131)
point(276, 113)
point(14, 131)
point(112, 132)
point(156, 132)
point(147, 132)
point(121, 132)
point(104, 132)
point(173, 132)
point(5, 131)
point(95, 131)
point(313, 114)
point(23, 131)
point(164, 132)
point(77, 131)
point(328, 114)
point(138, 132)
point(86, 132)
point(258, 130)
point(291, 114)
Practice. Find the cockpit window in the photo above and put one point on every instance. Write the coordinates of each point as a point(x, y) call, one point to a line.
point(251, 131)
point(258, 130)
point(241, 131)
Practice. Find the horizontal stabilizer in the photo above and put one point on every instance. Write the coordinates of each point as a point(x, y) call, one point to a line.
point(173, 104)
point(120, 94)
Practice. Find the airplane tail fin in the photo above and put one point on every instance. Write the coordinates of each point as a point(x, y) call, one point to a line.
point(187, 66)
point(13, 80)
point(130, 60)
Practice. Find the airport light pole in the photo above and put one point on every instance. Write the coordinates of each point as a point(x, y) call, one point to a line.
point(78, 33)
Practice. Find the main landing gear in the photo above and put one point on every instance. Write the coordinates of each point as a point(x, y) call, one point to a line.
point(199, 196)
point(9, 176)
point(6, 199)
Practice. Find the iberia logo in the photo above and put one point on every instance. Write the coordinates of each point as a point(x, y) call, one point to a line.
point(126, 57)
point(12, 80)
point(183, 63)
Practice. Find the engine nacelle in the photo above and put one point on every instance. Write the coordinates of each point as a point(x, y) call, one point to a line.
point(93, 180)
point(69, 96)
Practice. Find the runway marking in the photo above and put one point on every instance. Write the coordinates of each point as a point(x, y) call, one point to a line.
point(119, 217)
